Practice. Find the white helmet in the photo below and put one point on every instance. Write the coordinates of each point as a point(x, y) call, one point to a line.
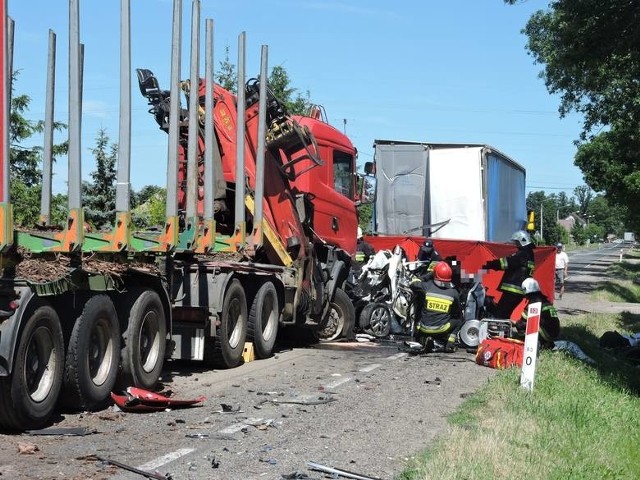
point(530, 285)
point(521, 237)
point(359, 233)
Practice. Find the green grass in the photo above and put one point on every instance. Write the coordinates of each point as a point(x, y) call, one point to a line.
point(621, 288)
point(579, 422)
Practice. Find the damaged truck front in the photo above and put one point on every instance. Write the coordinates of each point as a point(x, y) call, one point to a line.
point(259, 233)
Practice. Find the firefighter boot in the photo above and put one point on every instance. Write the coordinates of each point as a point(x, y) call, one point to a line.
point(452, 344)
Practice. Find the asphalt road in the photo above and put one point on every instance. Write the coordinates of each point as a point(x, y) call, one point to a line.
point(588, 269)
point(357, 406)
point(362, 407)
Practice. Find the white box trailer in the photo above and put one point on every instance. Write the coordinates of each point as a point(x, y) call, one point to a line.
point(476, 188)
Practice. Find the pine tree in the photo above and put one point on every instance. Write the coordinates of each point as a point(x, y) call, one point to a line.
point(100, 194)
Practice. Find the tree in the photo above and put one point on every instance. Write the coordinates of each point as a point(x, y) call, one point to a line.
point(583, 196)
point(591, 56)
point(281, 87)
point(610, 218)
point(590, 50)
point(279, 83)
point(552, 232)
point(151, 208)
point(25, 174)
point(610, 163)
point(227, 77)
point(100, 194)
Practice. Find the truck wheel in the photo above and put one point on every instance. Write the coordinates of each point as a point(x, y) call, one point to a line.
point(144, 342)
point(262, 328)
point(232, 332)
point(375, 319)
point(341, 318)
point(29, 395)
point(93, 355)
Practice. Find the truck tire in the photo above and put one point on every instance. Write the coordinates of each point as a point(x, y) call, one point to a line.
point(375, 319)
point(228, 346)
point(93, 355)
point(143, 343)
point(28, 396)
point(340, 320)
point(264, 315)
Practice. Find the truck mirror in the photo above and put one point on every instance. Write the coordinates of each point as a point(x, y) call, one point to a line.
point(370, 168)
point(368, 192)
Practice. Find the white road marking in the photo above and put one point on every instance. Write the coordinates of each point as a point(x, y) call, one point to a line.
point(169, 457)
point(337, 383)
point(373, 366)
point(397, 356)
point(236, 427)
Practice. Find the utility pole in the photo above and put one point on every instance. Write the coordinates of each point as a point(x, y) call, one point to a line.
point(541, 222)
point(344, 126)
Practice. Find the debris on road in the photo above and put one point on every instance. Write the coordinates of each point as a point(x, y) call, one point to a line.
point(339, 472)
point(140, 400)
point(25, 448)
point(319, 401)
point(228, 409)
point(65, 431)
point(144, 473)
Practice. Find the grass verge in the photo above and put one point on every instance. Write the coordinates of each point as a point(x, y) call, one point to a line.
point(622, 288)
point(580, 422)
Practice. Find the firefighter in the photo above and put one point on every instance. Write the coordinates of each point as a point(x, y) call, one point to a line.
point(439, 317)
point(517, 267)
point(549, 329)
point(428, 257)
point(364, 250)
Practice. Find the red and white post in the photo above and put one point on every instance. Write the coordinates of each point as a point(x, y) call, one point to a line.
point(530, 346)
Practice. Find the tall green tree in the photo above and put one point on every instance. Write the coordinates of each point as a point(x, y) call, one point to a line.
point(25, 161)
point(297, 103)
point(100, 193)
point(280, 84)
point(591, 55)
point(583, 195)
point(609, 217)
point(547, 226)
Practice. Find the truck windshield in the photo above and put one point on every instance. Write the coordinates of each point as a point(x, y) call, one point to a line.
point(342, 173)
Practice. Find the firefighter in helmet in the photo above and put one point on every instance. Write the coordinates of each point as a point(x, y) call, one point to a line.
point(517, 267)
point(428, 257)
point(549, 327)
point(438, 310)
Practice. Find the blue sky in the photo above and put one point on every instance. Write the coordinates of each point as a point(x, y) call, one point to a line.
point(416, 70)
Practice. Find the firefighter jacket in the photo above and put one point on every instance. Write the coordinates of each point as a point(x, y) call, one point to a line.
point(517, 267)
point(549, 329)
point(364, 251)
point(440, 304)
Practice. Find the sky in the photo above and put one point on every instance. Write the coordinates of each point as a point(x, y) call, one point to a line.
point(437, 71)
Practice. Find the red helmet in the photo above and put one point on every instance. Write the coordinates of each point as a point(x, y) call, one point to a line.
point(442, 272)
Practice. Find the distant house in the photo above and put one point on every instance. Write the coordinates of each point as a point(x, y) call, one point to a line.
point(569, 222)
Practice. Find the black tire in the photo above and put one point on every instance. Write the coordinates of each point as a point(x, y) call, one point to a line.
point(375, 319)
point(341, 318)
point(228, 345)
point(93, 355)
point(264, 316)
point(143, 342)
point(29, 395)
